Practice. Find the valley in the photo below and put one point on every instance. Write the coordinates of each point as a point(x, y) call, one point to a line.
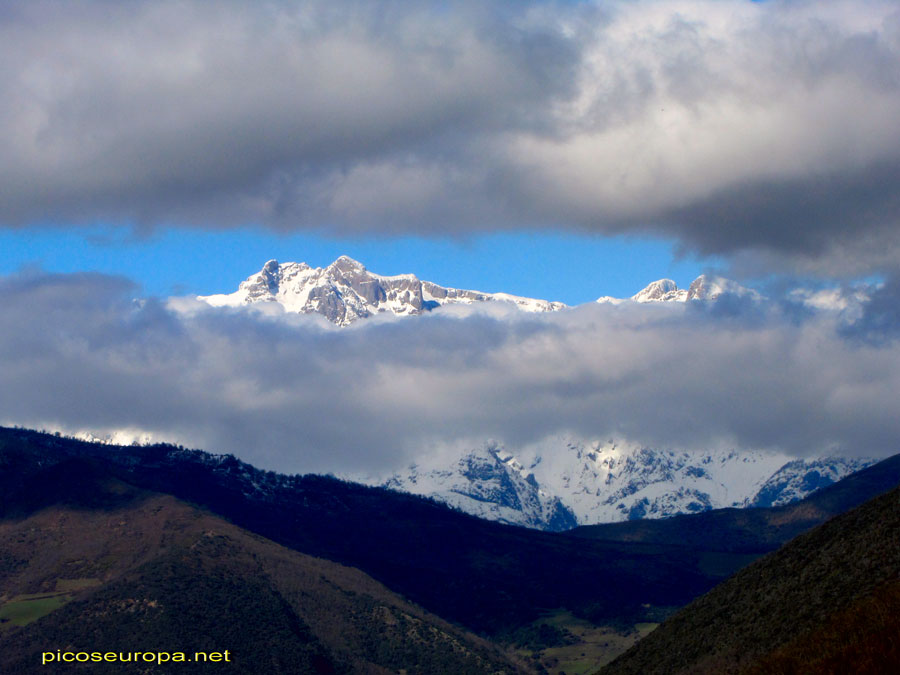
point(86, 523)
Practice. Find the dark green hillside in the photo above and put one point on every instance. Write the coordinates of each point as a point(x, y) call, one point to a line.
point(129, 570)
point(827, 602)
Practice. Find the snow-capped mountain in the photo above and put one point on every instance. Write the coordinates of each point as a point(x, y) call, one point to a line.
point(346, 291)
point(704, 287)
point(564, 481)
point(798, 478)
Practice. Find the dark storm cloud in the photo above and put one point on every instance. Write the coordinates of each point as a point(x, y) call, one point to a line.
point(766, 131)
point(848, 221)
point(294, 393)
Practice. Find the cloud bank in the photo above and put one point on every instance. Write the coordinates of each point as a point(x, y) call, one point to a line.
point(293, 393)
point(765, 131)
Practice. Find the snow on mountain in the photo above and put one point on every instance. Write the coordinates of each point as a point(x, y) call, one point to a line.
point(708, 287)
point(798, 478)
point(115, 437)
point(490, 483)
point(845, 302)
point(664, 290)
point(564, 481)
point(346, 291)
point(704, 287)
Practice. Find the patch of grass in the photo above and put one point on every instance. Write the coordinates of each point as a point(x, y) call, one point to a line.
point(589, 647)
point(24, 609)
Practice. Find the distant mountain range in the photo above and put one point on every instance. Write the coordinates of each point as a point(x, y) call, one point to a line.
point(345, 292)
point(487, 576)
point(566, 481)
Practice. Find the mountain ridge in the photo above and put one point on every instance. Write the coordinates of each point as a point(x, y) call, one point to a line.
point(566, 481)
point(345, 291)
point(756, 529)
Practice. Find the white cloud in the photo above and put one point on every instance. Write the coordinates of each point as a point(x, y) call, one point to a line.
point(293, 394)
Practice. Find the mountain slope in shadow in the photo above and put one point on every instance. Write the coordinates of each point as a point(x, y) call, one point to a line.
point(827, 602)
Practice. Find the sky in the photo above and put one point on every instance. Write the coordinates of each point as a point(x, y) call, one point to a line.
point(560, 266)
point(560, 150)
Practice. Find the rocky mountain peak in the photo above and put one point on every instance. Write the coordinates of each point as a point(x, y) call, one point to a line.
point(347, 265)
point(661, 290)
point(345, 291)
point(707, 288)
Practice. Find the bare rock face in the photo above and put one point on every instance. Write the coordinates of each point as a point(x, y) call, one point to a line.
point(346, 291)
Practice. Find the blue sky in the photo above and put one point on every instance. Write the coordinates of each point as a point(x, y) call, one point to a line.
point(565, 267)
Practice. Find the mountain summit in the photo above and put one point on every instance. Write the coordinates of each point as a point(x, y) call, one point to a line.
point(704, 287)
point(346, 291)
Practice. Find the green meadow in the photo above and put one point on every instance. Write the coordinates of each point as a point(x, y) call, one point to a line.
point(23, 609)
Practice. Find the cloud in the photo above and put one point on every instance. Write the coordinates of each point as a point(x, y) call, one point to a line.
point(293, 393)
point(879, 321)
point(764, 131)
